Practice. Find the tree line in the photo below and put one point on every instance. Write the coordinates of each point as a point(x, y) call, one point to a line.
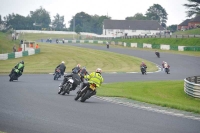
point(82, 22)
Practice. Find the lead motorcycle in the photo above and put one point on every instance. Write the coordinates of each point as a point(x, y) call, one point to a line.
point(86, 92)
point(67, 87)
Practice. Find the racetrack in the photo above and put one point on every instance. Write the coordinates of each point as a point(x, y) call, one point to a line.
point(32, 105)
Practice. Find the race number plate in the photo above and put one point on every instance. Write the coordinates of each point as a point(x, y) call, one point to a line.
point(92, 87)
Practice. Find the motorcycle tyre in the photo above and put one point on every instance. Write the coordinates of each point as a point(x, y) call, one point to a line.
point(12, 77)
point(65, 89)
point(86, 96)
point(77, 97)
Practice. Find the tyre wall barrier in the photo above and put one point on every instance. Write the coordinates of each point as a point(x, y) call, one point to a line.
point(140, 45)
point(192, 86)
point(19, 54)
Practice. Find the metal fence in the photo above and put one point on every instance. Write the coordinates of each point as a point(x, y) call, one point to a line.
point(192, 86)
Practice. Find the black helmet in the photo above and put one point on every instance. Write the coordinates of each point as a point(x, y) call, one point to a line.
point(22, 62)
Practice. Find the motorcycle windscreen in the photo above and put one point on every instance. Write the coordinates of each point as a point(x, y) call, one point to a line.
point(76, 78)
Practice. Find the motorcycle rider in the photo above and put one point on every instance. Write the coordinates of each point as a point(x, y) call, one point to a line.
point(143, 65)
point(157, 53)
point(94, 77)
point(20, 67)
point(107, 44)
point(166, 66)
point(62, 68)
point(75, 70)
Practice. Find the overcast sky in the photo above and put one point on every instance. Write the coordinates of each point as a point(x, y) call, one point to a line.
point(116, 9)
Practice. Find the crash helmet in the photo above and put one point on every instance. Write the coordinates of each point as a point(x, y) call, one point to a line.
point(78, 65)
point(98, 70)
point(63, 62)
point(22, 62)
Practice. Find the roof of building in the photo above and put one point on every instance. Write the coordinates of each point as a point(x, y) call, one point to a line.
point(132, 24)
point(196, 19)
point(185, 23)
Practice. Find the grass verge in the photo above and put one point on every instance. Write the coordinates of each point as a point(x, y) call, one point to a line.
point(188, 32)
point(163, 93)
point(52, 54)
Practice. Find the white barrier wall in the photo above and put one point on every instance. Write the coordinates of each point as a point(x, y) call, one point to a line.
point(18, 54)
point(165, 47)
point(81, 41)
point(3, 56)
point(31, 52)
point(134, 45)
point(181, 48)
point(124, 44)
point(90, 41)
point(100, 42)
point(73, 41)
point(146, 45)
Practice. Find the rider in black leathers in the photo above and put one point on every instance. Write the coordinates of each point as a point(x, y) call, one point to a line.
point(76, 70)
point(62, 68)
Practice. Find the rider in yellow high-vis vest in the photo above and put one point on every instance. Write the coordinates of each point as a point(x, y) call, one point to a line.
point(94, 77)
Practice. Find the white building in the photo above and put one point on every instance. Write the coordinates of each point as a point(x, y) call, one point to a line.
point(118, 28)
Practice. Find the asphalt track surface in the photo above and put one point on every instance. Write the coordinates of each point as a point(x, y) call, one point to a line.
point(32, 105)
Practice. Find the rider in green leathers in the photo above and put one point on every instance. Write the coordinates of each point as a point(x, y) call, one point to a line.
point(20, 67)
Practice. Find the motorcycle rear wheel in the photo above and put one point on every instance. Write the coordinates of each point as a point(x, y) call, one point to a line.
point(65, 89)
point(12, 77)
point(86, 96)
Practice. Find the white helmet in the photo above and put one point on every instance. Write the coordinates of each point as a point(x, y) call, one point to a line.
point(98, 70)
point(63, 62)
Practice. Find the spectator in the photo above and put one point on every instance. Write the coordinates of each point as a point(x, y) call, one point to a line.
point(37, 46)
point(21, 42)
point(14, 48)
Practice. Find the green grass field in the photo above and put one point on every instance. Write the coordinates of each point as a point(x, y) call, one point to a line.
point(188, 32)
point(163, 93)
point(52, 54)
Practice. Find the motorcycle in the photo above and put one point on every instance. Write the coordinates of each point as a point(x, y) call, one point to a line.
point(143, 70)
point(157, 54)
point(167, 70)
point(107, 46)
point(67, 87)
point(57, 74)
point(14, 75)
point(86, 92)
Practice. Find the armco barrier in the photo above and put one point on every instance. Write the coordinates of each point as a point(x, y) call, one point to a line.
point(19, 54)
point(192, 86)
